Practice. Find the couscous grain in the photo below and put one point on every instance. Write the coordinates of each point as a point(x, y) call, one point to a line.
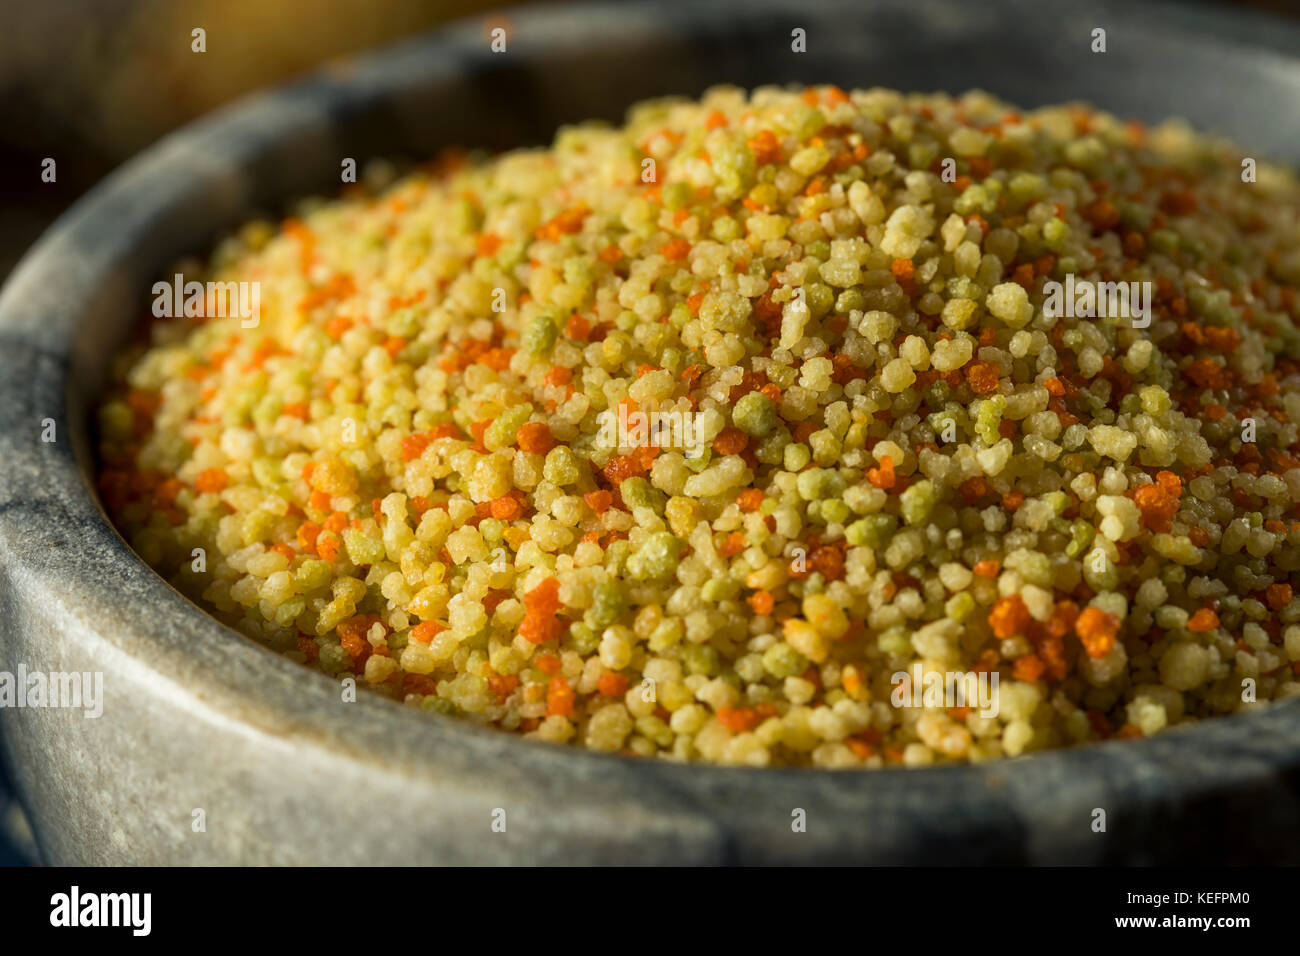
point(899, 458)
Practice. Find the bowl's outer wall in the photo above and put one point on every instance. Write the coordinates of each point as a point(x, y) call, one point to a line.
point(196, 718)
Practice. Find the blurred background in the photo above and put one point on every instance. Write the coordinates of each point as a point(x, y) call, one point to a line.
point(92, 82)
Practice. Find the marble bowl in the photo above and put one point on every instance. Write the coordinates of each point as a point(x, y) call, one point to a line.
point(213, 750)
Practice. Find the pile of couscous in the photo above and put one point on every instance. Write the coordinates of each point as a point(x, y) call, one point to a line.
point(426, 468)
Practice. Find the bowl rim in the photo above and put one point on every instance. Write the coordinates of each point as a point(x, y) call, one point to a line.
point(192, 654)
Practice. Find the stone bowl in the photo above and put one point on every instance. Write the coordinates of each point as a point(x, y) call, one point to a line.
point(214, 750)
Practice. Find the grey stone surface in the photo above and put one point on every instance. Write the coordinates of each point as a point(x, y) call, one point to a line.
point(196, 717)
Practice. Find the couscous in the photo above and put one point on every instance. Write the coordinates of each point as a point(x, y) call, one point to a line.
point(718, 435)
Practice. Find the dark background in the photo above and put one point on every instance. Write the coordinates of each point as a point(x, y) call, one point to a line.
point(92, 82)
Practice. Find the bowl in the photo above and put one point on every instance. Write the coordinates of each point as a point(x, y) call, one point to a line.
point(213, 750)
